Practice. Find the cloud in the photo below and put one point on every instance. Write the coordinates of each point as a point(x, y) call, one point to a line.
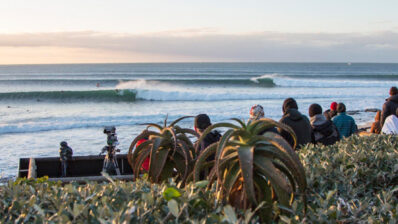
point(209, 45)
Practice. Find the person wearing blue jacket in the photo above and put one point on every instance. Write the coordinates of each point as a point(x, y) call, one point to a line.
point(345, 124)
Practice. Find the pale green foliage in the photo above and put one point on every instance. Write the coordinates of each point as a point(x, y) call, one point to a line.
point(121, 202)
point(353, 181)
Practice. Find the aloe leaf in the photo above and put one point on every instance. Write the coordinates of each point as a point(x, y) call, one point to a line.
point(153, 164)
point(143, 134)
point(246, 154)
point(281, 144)
point(230, 179)
point(186, 130)
point(174, 137)
point(218, 125)
point(165, 121)
point(153, 125)
point(220, 146)
point(139, 161)
point(278, 182)
point(162, 155)
point(265, 207)
point(276, 153)
point(178, 120)
point(239, 121)
point(211, 149)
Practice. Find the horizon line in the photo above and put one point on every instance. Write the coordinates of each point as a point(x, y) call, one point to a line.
point(198, 62)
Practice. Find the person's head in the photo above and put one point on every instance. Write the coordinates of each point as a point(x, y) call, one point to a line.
point(340, 108)
point(289, 103)
point(396, 112)
point(256, 112)
point(314, 109)
point(378, 114)
point(63, 144)
point(333, 106)
point(202, 121)
point(393, 91)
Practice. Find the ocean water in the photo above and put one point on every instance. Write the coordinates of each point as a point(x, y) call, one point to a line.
point(42, 105)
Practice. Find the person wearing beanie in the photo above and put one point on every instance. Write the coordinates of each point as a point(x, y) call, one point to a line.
point(202, 121)
point(345, 124)
point(256, 113)
point(297, 121)
point(376, 126)
point(390, 126)
point(390, 106)
point(324, 131)
point(330, 113)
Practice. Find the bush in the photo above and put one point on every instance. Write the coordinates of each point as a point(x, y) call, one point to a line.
point(353, 181)
point(118, 202)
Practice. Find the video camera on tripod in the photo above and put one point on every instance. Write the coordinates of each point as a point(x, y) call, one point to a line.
point(110, 161)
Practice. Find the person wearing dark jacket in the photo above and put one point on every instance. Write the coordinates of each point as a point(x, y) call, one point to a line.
point(298, 122)
point(65, 154)
point(324, 131)
point(202, 121)
point(390, 106)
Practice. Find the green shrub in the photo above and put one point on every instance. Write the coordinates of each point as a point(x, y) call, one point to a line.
point(115, 202)
point(353, 181)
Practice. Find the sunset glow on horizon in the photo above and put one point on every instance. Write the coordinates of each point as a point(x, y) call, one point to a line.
point(182, 31)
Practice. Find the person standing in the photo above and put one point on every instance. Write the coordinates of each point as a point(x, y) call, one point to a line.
point(345, 124)
point(65, 154)
point(297, 121)
point(390, 106)
point(324, 131)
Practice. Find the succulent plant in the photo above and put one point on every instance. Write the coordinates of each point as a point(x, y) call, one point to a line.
point(171, 152)
point(251, 168)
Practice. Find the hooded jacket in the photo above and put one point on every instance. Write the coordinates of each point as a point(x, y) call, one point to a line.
point(389, 107)
point(300, 125)
point(324, 131)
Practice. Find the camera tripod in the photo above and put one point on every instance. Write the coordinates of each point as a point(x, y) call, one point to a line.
point(110, 161)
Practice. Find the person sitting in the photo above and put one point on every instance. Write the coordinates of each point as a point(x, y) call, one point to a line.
point(330, 113)
point(297, 121)
point(324, 131)
point(256, 113)
point(391, 124)
point(345, 124)
point(65, 154)
point(376, 126)
point(202, 121)
point(390, 106)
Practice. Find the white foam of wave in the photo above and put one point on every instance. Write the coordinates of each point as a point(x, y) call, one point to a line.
point(65, 123)
point(265, 76)
point(285, 81)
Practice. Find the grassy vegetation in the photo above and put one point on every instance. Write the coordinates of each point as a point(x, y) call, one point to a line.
point(353, 181)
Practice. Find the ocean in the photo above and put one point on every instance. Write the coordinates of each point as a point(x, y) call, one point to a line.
point(42, 105)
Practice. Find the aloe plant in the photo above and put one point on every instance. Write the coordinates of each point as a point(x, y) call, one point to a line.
point(251, 168)
point(170, 151)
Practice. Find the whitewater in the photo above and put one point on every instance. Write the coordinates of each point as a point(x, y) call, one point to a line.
point(42, 105)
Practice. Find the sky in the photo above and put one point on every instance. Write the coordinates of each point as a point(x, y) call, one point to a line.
point(51, 31)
